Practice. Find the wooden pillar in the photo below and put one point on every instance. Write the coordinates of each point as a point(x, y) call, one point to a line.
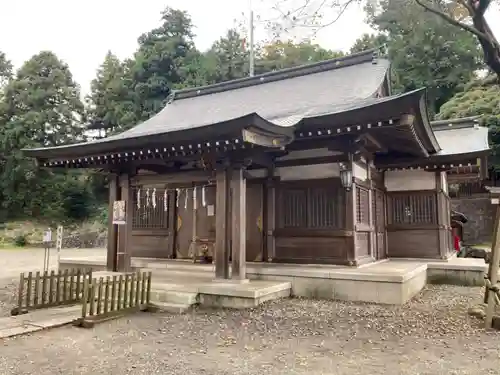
point(221, 224)
point(238, 224)
point(125, 231)
point(269, 216)
point(371, 218)
point(112, 248)
point(172, 222)
point(442, 218)
point(350, 218)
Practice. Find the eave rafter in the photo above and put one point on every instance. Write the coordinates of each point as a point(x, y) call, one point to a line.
point(250, 138)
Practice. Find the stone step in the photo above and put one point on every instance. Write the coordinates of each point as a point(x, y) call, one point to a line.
point(173, 296)
point(174, 308)
point(180, 266)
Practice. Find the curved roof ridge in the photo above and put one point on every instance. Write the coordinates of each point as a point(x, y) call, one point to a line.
point(370, 55)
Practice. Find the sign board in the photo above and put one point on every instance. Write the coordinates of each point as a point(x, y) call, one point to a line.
point(119, 212)
point(261, 139)
point(210, 210)
point(495, 200)
point(59, 237)
point(47, 236)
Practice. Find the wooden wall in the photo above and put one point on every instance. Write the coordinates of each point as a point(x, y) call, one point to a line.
point(311, 222)
point(419, 220)
point(160, 232)
point(413, 228)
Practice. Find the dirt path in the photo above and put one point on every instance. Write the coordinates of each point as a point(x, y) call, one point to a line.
point(430, 335)
point(15, 261)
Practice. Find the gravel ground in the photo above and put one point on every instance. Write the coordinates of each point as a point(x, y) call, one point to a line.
point(430, 335)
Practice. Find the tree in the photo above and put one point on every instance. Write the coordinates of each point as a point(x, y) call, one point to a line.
point(229, 56)
point(43, 108)
point(466, 15)
point(5, 70)
point(163, 61)
point(469, 15)
point(424, 51)
point(480, 97)
point(111, 103)
point(282, 55)
point(369, 41)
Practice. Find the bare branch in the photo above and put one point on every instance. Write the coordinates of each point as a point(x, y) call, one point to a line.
point(453, 21)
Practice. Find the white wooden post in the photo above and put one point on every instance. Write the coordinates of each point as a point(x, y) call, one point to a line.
point(493, 268)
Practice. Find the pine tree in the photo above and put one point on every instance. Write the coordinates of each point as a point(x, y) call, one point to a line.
point(43, 108)
point(110, 105)
point(160, 64)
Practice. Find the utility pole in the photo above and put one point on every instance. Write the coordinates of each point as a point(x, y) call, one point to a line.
point(251, 69)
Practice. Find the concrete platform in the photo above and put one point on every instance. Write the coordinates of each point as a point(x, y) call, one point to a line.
point(388, 282)
point(38, 320)
point(457, 271)
point(393, 281)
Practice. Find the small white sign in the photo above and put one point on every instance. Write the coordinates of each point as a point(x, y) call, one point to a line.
point(495, 200)
point(210, 210)
point(47, 236)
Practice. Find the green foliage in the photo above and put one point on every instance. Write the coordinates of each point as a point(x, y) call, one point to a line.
point(369, 41)
point(162, 61)
point(20, 240)
point(111, 103)
point(41, 107)
point(479, 98)
point(424, 50)
point(281, 55)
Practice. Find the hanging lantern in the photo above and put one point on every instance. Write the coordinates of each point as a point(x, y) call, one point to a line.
point(203, 200)
point(147, 198)
point(346, 177)
point(177, 195)
point(194, 198)
point(138, 198)
point(165, 200)
point(153, 198)
point(186, 200)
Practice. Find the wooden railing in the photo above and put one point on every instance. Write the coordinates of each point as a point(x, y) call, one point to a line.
point(114, 296)
point(41, 289)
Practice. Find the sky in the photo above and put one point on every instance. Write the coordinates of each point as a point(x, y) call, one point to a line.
point(81, 32)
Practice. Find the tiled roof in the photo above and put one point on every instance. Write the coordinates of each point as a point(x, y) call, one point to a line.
point(460, 136)
point(281, 99)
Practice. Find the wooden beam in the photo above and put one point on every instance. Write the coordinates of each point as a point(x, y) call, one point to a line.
point(173, 178)
point(238, 225)
point(311, 161)
point(332, 142)
point(112, 248)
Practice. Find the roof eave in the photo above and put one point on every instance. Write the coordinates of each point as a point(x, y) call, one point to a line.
point(113, 145)
point(425, 132)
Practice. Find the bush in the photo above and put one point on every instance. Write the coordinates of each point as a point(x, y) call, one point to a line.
point(20, 240)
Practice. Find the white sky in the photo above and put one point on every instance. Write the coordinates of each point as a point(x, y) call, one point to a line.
point(81, 32)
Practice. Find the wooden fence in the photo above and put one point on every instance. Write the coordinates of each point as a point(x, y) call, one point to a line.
point(43, 289)
point(114, 296)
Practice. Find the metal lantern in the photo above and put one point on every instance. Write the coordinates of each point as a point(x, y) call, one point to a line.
point(346, 177)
